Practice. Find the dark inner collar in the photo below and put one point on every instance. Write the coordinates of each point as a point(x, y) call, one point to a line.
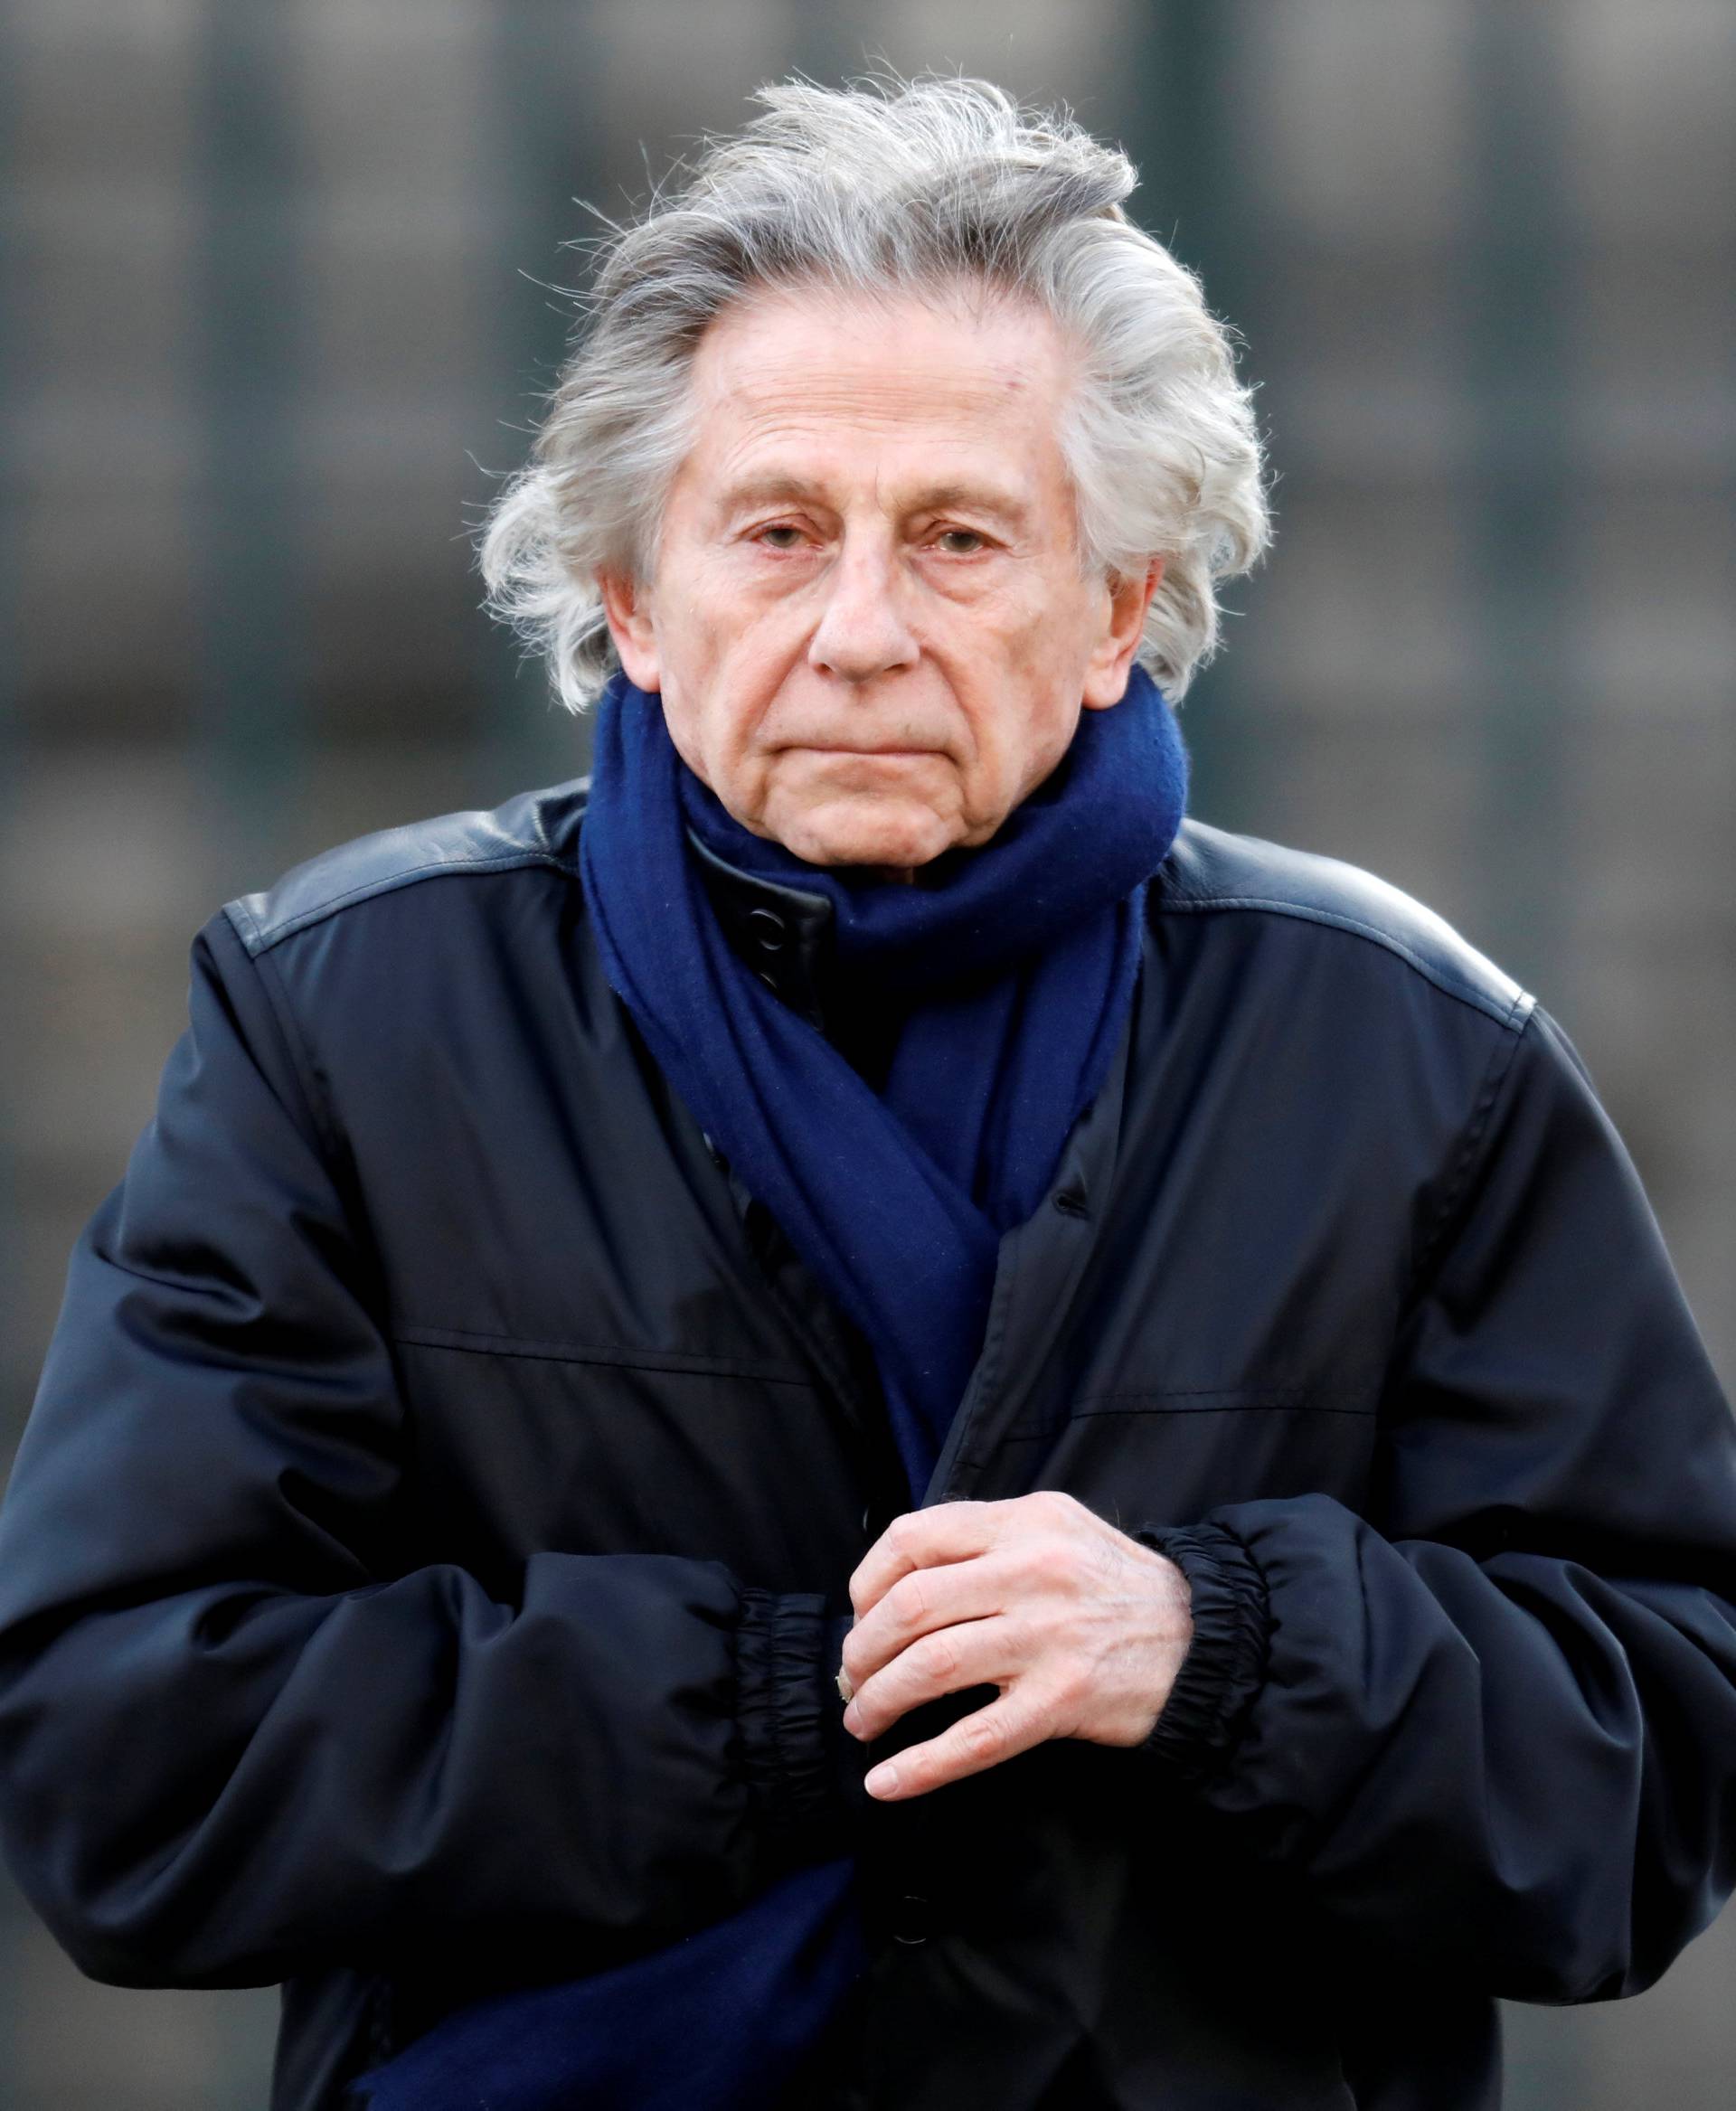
point(783, 933)
point(786, 936)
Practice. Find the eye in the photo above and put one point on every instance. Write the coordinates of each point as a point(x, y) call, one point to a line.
point(779, 535)
point(961, 542)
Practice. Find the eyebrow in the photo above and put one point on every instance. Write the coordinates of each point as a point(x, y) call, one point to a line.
point(773, 489)
point(940, 498)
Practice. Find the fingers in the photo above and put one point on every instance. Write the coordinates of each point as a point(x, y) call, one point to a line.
point(973, 1744)
point(923, 1539)
point(919, 1603)
point(969, 1594)
point(966, 1653)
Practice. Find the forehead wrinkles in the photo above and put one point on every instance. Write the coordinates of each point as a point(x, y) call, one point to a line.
point(879, 360)
point(785, 392)
point(820, 408)
point(787, 461)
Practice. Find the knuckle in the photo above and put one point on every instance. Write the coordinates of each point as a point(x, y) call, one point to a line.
point(921, 1770)
point(1055, 1563)
point(1058, 1504)
point(898, 1535)
point(940, 1657)
point(910, 1599)
point(983, 1736)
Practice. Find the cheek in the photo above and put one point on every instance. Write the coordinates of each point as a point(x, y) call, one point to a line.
point(685, 726)
point(715, 702)
point(1026, 720)
point(699, 681)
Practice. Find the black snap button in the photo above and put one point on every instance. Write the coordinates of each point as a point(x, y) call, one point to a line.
point(771, 981)
point(911, 1920)
point(769, 930)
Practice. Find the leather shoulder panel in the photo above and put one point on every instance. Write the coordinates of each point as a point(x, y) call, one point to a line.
point(1209, 869)
point(533, 828)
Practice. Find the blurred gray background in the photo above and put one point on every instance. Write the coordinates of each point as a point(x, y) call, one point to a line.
point(273, 307)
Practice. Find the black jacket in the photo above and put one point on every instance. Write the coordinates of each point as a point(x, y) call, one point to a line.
point(424, 1568)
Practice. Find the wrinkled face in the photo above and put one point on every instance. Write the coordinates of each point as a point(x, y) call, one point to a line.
point(867, 615)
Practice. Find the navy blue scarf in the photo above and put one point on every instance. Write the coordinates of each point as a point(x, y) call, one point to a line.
point(1005, 976)
point(1011, 966)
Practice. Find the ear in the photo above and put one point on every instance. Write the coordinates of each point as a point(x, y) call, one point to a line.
point(626, 603)
point(1129, 597)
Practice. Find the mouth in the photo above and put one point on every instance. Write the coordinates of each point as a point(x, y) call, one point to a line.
point(876, 754)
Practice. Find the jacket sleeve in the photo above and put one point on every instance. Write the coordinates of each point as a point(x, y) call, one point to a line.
point(1493, 1723)
point(244, 1732)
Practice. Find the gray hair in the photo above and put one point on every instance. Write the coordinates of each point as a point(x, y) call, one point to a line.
point(893, 186)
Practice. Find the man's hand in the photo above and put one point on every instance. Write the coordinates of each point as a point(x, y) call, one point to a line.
point(1081, 1628)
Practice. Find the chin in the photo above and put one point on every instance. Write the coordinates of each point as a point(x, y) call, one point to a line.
point(844, 839)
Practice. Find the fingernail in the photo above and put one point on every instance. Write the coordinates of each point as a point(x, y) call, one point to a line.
point(853, 1720)
point(881, 1780)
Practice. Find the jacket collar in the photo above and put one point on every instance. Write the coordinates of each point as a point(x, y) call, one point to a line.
point(784, 934)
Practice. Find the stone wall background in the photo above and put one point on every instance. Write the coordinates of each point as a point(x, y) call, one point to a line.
point(273, 304)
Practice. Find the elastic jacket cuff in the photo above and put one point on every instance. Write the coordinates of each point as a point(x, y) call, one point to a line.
point(804, 1769)
point(1225, 1664)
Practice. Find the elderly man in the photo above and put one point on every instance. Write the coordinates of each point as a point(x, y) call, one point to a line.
point(866, 1192)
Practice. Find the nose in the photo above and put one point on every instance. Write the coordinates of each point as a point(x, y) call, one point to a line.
point(864, 630)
